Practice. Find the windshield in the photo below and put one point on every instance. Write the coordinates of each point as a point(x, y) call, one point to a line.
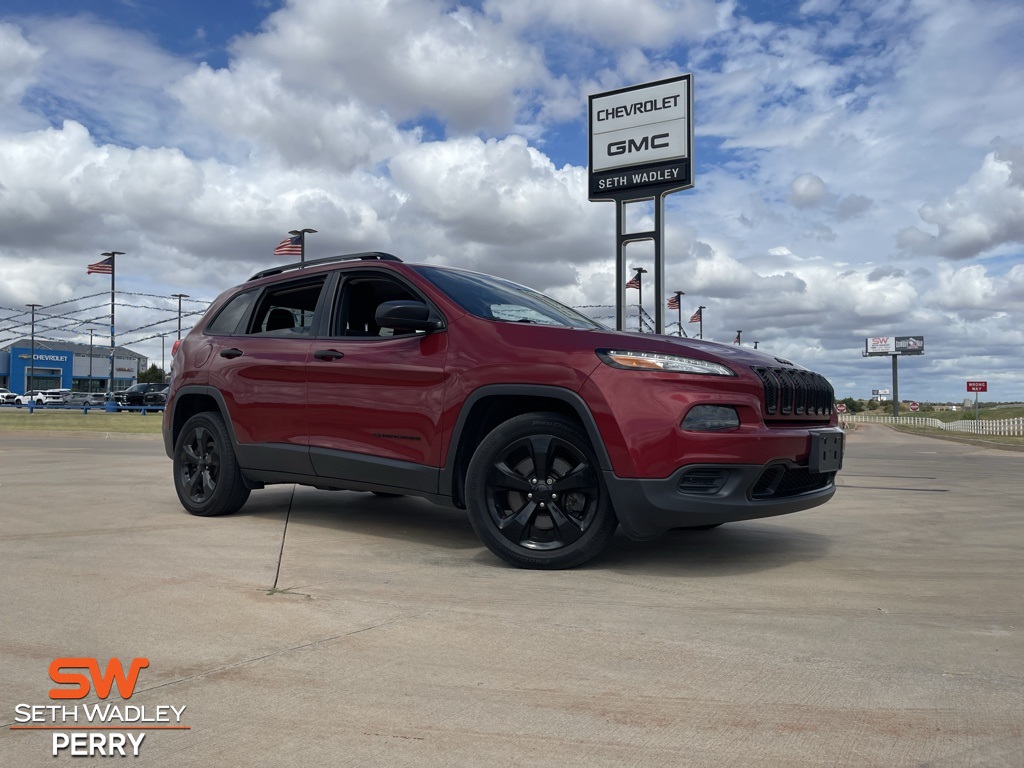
point(495, 299)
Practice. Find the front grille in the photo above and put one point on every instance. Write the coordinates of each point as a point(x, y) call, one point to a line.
point(778, 482)
point(793, 393)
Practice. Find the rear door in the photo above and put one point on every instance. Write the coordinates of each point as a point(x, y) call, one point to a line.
point(260, 370)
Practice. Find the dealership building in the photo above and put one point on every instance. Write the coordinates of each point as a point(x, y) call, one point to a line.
point(66, 365)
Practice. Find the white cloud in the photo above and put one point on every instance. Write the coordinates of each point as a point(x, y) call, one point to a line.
point(984, 213)
point(807, 191)
point(406, 57)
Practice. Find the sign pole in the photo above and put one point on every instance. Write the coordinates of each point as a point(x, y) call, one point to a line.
point(975, 407)
point(895, 388)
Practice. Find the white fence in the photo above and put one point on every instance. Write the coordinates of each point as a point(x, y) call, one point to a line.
point(1010, 427)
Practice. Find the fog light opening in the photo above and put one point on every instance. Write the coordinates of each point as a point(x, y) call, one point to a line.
point(711, 418)
point(705, 481)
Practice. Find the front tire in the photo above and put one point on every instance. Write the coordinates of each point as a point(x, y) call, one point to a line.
point(536, 496)
point(207, 477)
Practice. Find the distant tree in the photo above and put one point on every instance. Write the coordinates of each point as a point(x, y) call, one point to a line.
point(151, 375)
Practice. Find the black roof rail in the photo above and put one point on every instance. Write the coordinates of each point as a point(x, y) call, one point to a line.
point(366, 256)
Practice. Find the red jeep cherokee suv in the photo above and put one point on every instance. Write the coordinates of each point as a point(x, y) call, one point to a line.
point(365, 373)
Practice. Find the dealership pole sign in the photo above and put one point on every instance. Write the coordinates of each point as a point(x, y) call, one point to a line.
point(641, 140)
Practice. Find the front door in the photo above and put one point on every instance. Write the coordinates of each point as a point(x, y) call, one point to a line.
point(375, 396)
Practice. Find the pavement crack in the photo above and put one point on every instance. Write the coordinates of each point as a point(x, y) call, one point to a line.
point(280, 652)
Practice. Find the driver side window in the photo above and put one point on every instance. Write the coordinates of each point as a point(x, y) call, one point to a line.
point(355, 314)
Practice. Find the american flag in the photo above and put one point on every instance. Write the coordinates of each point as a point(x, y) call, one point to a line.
point(673, 303)
point(634, 283)
point(290, 246)
point(105, 267)
point(696, 316)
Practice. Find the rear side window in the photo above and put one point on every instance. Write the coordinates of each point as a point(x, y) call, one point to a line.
point(287, 309)
point(227, 320)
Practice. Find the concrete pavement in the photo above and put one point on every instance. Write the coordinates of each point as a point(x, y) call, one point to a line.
point(341, 629)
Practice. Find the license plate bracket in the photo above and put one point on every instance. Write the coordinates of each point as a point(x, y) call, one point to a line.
point(826, 451)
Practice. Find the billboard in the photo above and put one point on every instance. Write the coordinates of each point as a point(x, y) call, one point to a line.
point(641, 140)
point(893, 345)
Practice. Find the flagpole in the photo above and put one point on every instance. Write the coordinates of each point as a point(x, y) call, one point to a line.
point(679, 310)
point(700, 309)
point(301, 234)
point(112, 255)
point(639, 298)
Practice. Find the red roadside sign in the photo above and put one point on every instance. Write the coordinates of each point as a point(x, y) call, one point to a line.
point(840, 407)
point(977, 386)
point(914, 406)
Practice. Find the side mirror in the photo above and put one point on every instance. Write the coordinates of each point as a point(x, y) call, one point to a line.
point(407, 316)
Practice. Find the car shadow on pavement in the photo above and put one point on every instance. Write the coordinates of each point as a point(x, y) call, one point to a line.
point(731, 549)
point(734, 548)
point(401, 518)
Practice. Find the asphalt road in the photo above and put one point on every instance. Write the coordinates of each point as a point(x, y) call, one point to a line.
point(342, 629)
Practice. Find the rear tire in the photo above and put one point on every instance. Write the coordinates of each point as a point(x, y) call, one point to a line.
point(207, 477)
point(536, 495)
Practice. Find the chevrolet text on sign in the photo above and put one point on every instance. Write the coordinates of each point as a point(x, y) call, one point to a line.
point(640, 139)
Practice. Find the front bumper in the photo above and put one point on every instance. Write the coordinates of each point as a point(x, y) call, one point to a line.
point(714, 493)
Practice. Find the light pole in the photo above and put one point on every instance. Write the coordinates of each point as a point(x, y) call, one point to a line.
point(90, 359)
point(32, 357)
point(163, 360)
point(302, 243)
point(179, 297)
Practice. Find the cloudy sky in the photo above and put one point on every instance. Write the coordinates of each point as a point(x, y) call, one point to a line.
point(859, 165)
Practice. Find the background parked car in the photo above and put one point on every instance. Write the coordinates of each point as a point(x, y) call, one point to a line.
point(86, 398)
point(156, 398)
point(56, 396)
point(135, 394)
point(6, 396)
point(32, 396)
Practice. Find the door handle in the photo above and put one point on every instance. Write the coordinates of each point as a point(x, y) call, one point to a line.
point(328, 354)
point(231, 354)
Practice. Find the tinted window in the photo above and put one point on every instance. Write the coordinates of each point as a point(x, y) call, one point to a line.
point(495, 299)
point(228, 318)
point(358, 301)
point(287, 309)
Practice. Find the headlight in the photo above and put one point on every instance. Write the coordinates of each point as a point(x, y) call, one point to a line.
point(653, 361)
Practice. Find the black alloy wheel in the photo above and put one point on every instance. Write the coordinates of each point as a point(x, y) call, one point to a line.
point(207, 477)
point(535, 493)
